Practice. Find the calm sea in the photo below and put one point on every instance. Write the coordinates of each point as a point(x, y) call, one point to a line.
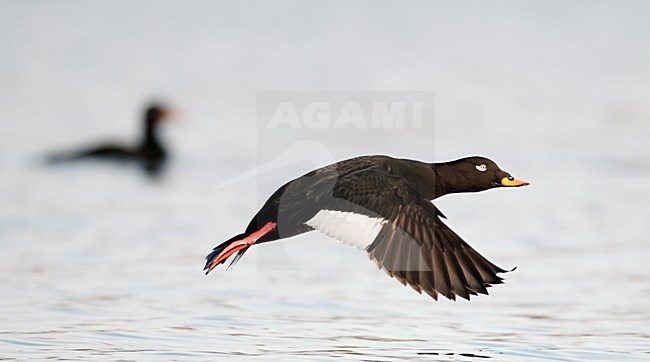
point(99, 262)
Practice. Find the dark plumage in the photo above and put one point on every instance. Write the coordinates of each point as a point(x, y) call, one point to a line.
point(149, 152)
point(382, 205)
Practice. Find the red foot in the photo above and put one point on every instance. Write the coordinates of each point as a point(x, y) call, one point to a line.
point(238, 245)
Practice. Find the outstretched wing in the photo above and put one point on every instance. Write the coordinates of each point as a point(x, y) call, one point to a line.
point(402, 233)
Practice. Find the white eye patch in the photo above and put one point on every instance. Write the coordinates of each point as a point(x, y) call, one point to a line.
point(481, 167)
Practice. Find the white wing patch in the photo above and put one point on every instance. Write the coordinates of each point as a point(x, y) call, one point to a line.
point(349, 228)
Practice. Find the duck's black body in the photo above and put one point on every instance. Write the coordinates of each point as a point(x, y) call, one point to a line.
point(382, 205)
point(149, 152)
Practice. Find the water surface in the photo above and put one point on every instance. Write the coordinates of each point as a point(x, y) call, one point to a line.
point(99, 262)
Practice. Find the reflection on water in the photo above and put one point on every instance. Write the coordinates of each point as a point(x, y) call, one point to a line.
point(451, 354)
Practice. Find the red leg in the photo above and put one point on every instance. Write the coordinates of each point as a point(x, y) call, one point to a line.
point(238, 245)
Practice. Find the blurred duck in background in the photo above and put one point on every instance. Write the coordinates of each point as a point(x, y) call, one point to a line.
point(149, 152)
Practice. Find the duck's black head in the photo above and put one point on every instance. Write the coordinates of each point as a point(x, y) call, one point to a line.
point(472, 174)
point(153, 116)
point(156, 113)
